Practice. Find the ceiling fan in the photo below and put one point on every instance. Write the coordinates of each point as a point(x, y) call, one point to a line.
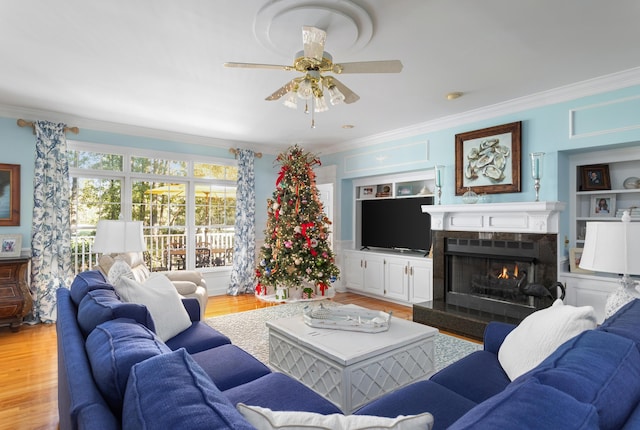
point(314, 63)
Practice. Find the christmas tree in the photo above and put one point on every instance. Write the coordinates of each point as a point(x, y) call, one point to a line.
point(296, 247)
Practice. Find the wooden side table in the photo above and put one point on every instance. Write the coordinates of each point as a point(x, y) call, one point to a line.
point(15, 298)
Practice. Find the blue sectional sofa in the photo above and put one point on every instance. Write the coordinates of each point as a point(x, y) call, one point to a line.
point(114, 373)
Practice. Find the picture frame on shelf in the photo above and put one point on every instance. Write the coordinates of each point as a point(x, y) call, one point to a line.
point(595, 177)
point(488, 160)
point(9, 194)
point(575, 255)
point(367, 192)
point(603, 205)
point(10, 245)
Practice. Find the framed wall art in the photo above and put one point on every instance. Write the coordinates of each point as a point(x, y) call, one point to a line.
point(10, 245)
point(603, 205)
point(595, 177)
point(488, 160)
point(9, 194)
point(575, 255)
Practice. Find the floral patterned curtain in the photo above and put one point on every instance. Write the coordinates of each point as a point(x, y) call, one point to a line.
point(50, 233)
point(244, 243)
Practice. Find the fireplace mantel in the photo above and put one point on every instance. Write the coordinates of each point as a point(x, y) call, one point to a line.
point(518, 217)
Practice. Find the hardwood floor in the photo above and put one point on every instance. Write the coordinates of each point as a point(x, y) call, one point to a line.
point(28, 361)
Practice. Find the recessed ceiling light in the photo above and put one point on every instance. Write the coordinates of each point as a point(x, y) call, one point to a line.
point(454, 95)
point(348, 126)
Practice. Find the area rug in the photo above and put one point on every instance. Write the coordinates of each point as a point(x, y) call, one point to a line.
point(248, 331)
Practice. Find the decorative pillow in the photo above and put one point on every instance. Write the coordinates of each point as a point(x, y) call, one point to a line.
point(163, 301)
point(172, 392)
point(266, 419)
point(99, 306)
point(119, 269)
point(88, 281)
point(541, 333)
point(113, 348)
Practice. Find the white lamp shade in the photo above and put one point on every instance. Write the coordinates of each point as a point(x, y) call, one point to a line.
point(612, 247)
point(114, 237)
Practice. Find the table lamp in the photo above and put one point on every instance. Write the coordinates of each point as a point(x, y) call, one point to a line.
point(115, 237)
point(614, 247)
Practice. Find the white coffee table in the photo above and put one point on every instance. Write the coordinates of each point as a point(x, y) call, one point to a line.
point(352, 368)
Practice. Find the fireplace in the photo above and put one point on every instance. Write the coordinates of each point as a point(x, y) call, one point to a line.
point(483, 274)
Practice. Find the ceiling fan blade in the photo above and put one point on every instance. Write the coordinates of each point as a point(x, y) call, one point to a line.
point(313, 40)
point(389, 66)
point(349, 96)
point(258, 66)
point(282, 90)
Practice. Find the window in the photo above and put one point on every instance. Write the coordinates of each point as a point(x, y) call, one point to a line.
point(187, 207)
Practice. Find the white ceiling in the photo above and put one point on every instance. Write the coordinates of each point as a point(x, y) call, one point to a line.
point(157, 64)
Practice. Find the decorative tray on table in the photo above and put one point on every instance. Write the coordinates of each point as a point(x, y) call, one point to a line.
point(347, 319)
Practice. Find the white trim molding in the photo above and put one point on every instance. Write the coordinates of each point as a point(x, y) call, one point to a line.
point(519, 217)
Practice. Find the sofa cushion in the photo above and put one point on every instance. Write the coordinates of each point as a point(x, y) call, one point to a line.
point(624, 322)
point(163, 301)
point(99, 306)
point(277, 391)
point(172, 392)
point(113, 348)
point(464, 378)
point(530, 406)
point(198, 337)
point(541, 333)
point(87, 281)
point(229, 366)
point(598, 368)
point(445, 405)
point(266, 419)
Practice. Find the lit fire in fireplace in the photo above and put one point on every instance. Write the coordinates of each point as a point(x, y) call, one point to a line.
point(505, 273)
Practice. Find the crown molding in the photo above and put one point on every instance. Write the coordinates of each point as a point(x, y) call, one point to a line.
point(577, 90)
point(612, 82)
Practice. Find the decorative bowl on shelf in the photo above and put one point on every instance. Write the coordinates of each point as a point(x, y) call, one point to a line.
point(631, 183)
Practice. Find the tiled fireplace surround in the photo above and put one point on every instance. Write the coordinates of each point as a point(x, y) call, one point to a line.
point(532, 222)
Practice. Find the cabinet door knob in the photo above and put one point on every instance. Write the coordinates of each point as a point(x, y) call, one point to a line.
point(411, 270)
point(405, 270)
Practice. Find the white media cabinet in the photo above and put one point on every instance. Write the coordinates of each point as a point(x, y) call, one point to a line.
point(402, 277)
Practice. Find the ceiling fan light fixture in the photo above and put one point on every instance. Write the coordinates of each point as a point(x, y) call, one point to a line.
point(320, 104)
point(305, 89)
point(291, 100)
point(335, 96)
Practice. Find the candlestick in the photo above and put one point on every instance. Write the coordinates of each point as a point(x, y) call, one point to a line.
point(438, 182)
point(536, 171)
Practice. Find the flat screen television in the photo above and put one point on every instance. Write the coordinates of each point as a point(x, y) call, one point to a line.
point(396, 224)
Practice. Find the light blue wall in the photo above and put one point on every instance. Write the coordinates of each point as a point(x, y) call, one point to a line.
point(610, 119)
point(544, 129)
point(17, 146)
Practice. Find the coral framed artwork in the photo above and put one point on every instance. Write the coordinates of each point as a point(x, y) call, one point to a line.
point(488, 160)
point(9, 194)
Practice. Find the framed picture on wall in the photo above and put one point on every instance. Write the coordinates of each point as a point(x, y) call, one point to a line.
point(9, 194)
point(488, 160)
point(10, 245)
point(603, 205)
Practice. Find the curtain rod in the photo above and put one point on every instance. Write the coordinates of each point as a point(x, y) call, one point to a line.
point(234, 151)
point(23, 123)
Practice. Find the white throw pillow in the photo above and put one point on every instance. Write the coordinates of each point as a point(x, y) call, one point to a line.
point(266, 419)
point(161, 299)
point(541, 333)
